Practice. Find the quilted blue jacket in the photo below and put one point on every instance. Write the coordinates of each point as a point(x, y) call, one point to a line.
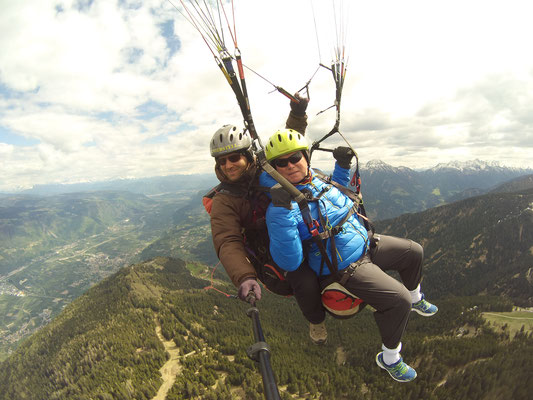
point(287, 229)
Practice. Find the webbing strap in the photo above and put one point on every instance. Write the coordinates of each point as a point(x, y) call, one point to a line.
point(350, 271)
point(352, 196)
point(330, 233)
point(332, 263)
point(332, 266)
point(337, 228)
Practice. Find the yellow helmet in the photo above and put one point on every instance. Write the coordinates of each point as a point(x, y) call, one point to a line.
point(285, 141)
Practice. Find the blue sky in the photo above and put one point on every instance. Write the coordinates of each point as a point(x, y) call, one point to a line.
point(97, 90)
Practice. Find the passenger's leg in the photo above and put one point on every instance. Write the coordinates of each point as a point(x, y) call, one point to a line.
point(402, 255)
point(387, 296)
point(304, 283)
point(392, 303)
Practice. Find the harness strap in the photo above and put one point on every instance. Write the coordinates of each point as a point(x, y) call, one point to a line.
point(319, 238)
point(350, 270)
point(330, 233)
point(354, 196)
point(332, 266)
point(338, 228)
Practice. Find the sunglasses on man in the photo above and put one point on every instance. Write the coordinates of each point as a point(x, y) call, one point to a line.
point(283, 162)
point(232, 158)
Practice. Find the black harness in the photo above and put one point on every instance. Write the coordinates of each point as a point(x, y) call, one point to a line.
point(329, 232)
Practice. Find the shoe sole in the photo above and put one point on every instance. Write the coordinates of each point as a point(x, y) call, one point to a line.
point(392, 376)
point(423, 313)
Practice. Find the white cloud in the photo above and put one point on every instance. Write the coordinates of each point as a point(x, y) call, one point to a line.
point(6, 149)
point(427, 82)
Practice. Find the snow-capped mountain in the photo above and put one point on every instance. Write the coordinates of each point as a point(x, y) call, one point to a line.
point(390, 191)
point(474, 165)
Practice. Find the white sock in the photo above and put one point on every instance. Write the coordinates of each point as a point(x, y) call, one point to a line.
point(415, 295)
point(390, 356)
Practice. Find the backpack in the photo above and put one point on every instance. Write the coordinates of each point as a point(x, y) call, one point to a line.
point(256, 240)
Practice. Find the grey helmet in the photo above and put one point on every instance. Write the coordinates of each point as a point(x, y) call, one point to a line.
point(229, 139)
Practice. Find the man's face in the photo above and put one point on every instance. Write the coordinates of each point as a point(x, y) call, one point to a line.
point(233, 165)
point(292, 167)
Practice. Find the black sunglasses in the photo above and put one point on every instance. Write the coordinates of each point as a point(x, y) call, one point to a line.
point(283, 162)
point(232, 158)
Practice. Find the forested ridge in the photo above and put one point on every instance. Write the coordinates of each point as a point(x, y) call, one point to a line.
point(104, 346)
point(479, 245)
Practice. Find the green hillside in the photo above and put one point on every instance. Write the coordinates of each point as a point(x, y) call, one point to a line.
point(481, 245)
point(30, 226)
point(190, 235)
point(105, 345)
point(52, 249)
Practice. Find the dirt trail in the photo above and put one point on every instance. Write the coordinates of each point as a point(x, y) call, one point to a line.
point(171, 368)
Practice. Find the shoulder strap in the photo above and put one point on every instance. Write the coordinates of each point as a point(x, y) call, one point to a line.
point(348, 192)
point(224, 188)
point(352, 195)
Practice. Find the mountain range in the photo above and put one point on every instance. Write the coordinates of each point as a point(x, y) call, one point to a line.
point(156, 185)
point(54, 247)
point(115, 340)
point(387, 190)
point(392, 191)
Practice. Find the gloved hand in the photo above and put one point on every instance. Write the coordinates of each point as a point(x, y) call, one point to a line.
point(344, 156)
point(249, 285)
point(300, 107)
point(280, 197)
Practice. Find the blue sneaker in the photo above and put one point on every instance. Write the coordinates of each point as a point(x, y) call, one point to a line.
point(399, 371)
point(424, 308)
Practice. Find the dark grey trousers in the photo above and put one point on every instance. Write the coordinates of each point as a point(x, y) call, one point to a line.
point(390, 298)
point(305, 285)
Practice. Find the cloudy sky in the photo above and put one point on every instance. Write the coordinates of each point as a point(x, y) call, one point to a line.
point(102, 89)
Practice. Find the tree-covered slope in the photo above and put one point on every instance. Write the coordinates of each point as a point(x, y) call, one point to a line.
point(105, 346)
point(190, 236)
point(475, 246)
point(392, 191)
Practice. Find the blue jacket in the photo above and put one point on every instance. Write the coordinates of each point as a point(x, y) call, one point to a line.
point(287, 229)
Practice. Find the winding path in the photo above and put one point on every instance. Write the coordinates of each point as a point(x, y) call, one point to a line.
point(171, 368)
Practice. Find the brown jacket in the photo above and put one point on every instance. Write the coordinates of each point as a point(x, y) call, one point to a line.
point(231, 215)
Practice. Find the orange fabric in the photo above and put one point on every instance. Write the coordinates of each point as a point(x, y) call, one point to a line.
point(208, 204)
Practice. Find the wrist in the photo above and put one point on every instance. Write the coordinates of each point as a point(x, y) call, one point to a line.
point(344, 164)
point(247, 278)
point(298, 113)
